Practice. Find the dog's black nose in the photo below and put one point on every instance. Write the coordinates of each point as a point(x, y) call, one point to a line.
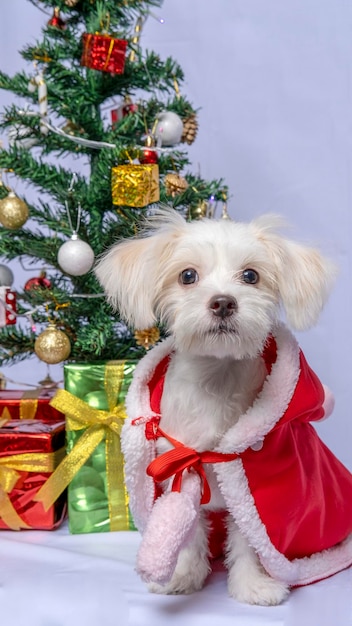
point(223, 306)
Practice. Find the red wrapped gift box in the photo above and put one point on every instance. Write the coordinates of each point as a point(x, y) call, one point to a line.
point(19, 404)
point(30, 450)
point(104, 53)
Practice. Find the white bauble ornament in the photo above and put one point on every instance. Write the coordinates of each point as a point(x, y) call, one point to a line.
point(75, 256)
point(169, 129)
point(6, 276)
point(20, 136)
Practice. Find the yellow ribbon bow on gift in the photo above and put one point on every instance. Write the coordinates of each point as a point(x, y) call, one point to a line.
point(10, 466)
point(98, 424)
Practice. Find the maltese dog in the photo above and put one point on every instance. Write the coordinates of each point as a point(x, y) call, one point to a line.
point(220, 455)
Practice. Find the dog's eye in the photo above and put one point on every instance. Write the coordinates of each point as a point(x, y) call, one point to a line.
point(188, 276)
point(250, 276)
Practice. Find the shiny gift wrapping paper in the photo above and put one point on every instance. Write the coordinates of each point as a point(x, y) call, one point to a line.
point(34, 404)
point(103, 53)
point(97, 496)
point(135, 185)
point(30, 450)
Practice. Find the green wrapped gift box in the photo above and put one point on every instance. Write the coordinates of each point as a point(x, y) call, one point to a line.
point(94, 408)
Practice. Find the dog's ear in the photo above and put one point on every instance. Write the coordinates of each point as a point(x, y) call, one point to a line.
point(131, 271)
point(304, 277)
point(127, 272)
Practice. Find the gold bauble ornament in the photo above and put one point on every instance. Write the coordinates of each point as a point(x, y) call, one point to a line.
point(175, 184)
point(52, 345)
point(71, 3)
point(199, 211)
point(13, 211)
point(190, 129)
point(148, 337)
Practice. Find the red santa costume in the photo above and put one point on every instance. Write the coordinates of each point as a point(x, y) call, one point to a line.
point(289, 495)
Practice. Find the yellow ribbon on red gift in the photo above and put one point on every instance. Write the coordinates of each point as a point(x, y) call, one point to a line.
point(98, 424)
point(28, 406)
point(10, 466)
point(108, 56)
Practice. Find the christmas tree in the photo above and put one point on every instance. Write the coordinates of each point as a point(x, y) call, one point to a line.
point(102, 140)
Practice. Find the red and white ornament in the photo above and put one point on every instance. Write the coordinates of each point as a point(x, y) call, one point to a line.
point(8, 307)
point(121, 111)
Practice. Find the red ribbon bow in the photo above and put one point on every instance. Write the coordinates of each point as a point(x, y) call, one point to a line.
point(176, 461)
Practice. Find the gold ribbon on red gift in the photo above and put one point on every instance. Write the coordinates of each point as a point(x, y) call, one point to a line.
point(28, 405)
point(98, 425)
point(10, 466)
point(85, 56)
point(111, 47)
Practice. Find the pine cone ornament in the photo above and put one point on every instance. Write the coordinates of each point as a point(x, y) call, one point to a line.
point(190, 129)
point(148, 337)
point(175, 184)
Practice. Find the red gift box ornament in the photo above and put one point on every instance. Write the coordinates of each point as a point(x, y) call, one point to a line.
point(127, 107)
point(7, 306)
point(104, 53)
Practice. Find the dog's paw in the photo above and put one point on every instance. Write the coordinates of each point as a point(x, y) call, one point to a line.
point(191, 571)
point(256, 588)
point(178, 585)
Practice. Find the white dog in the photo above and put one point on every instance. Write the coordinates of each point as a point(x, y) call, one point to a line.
point(230, 380)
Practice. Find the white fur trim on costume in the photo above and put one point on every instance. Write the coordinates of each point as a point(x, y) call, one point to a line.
point(271, 402)
point(139, 452)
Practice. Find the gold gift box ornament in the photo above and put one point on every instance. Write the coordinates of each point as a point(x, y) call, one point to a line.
point(135, 185)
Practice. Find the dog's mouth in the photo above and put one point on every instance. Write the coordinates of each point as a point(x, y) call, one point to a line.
point(222, 329)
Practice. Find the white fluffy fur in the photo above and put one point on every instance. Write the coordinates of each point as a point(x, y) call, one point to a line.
point(215, 372)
